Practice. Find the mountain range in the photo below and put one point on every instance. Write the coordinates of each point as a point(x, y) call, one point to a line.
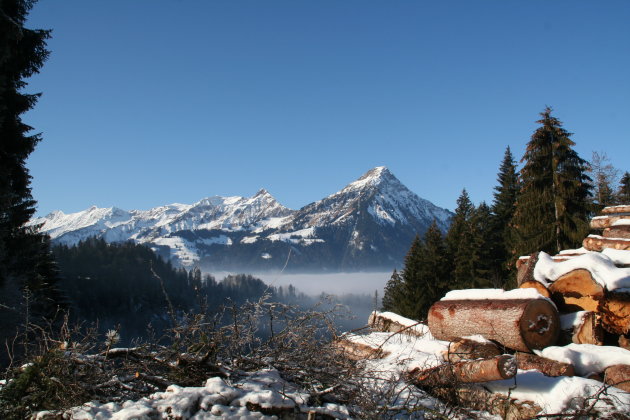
point(368, 225)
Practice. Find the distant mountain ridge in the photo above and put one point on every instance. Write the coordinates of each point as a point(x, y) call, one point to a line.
point(368, 225)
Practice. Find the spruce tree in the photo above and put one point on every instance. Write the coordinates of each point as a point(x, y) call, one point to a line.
point(424, 277)
point(503, 206)
point(460, 243)
point(25, 259)
point(435, 270)
point(411, 282)
point(623, 195)
point(481, 252)
point(553, 207)
point(392, 293)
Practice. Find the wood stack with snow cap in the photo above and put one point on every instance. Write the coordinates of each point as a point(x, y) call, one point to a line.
point(520, 319)
point(595, 278)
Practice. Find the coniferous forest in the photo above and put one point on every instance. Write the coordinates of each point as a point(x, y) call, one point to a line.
point(545, 205)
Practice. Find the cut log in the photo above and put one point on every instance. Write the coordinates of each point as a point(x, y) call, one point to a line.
point(598, 243)
point(602, 222)
point(479, 398)
point(616, 209)
point(465, 349)
point(466, 372)
point(622, 232)
point(391, 322)
point(615, 312)
point(576, 291)
point(548, 367)
point(525, 270)
point(534, 284)
point(359, 351)
point(618, 376)
point(519, 324)
point(589, 330)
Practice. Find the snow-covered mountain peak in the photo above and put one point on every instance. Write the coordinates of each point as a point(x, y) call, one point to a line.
point(372, 220)
point(372, 178)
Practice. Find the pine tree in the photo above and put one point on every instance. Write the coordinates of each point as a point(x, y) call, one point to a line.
point(424, 277)
point(481, 252)
point(25, 258)
point(411, 285)
point(460, 243)
point(392, 293)
point(623, 195)
point(503, 206)
point(553, 206)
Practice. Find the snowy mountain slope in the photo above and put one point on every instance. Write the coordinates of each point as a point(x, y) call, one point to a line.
point(368, 224)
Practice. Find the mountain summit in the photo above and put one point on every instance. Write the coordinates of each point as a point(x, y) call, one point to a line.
point(368, 225)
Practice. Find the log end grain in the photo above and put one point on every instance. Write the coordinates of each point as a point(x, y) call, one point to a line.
point(540, 324)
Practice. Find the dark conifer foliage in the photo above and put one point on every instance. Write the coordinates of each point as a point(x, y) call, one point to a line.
point(482, 259)
point(553, 206)
point(393, 293)
point(503, 206)
point(25, 259)
point(460, 243)
point(424, 277)
point(411, 282)
point(623, 195)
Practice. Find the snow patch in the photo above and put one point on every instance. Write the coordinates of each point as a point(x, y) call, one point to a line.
point(600, 265)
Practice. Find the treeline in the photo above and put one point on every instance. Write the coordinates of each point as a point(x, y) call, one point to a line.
point(127, 287)
point(544, 206)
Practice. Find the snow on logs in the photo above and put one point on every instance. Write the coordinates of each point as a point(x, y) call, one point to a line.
point(603, 222)
point(519, 319)
point(599, 243)
point(391, 322)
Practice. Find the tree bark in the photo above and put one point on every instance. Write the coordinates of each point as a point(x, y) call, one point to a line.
point(379, 321)
point(615, 312)
point(358, 351)
point(576, 291)
point(602, 222)
point(479, 398)
point(519, 324)
point(599, 243)
point(534, 284)
point(624, 342)
point(548, 367)
point(618, 376)
point(466, 372)
point(616, 209)
point(622, 232)
point(525, 268)
point(465, 349)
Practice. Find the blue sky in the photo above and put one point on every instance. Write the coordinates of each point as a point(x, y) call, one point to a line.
point(149, 102)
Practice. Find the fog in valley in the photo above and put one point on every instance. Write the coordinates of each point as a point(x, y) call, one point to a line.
point(330, 283)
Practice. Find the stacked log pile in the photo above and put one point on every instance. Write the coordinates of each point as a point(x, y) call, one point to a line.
point(492, 333)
